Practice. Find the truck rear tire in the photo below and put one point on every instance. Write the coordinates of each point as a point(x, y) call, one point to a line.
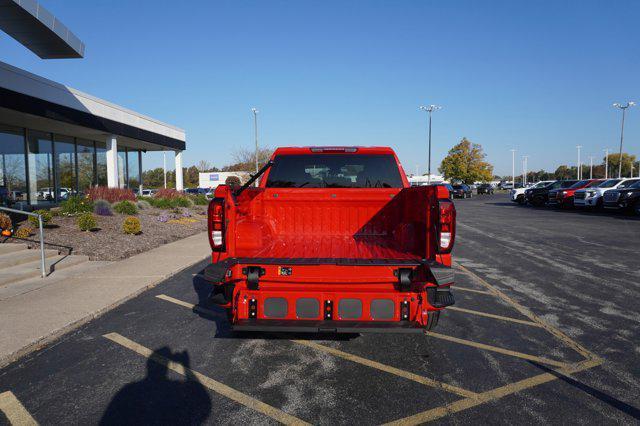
point(432, 320)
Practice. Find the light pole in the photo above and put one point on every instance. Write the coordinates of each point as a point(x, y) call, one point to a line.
point(429, 109)
point(579, 174)
point(255, 130)
point(524, 169)
point(513, 168)
point(591, 168)
point(624, 111)
point(606, 163)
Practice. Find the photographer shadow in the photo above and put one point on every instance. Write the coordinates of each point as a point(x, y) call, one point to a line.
point(158, 399)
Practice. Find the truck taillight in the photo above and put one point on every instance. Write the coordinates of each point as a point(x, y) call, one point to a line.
point(446, 226)
point(216, 224)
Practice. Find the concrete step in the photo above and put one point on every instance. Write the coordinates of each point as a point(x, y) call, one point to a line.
point(32, 269)
point(11, 247)
point(8, 260)
point(28, 285)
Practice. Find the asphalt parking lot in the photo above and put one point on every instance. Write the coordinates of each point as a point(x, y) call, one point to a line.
point(545, 329)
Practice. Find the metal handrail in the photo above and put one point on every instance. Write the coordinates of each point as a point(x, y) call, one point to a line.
point(44, 273)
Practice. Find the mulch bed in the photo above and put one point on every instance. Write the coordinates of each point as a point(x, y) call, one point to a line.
point(108, 242)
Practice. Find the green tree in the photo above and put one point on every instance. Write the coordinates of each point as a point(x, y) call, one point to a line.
point(465, 162)
point(614, 162)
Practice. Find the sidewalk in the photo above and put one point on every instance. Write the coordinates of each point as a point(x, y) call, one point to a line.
point(45, 311)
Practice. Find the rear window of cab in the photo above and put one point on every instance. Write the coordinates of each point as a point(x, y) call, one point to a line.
point(334, 171)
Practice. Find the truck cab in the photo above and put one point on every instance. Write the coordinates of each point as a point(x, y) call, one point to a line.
point(333, 239)
point(592, 197)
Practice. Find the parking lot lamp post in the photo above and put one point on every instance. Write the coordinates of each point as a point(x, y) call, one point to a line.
point(591, 167)
point(524, 169)
point(624, 111)
point(429, 109)
point(513, 168)
point(255, 131)
point(606, 163)
point(579, 173)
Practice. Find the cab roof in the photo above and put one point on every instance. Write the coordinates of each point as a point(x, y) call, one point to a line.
point(301, 150)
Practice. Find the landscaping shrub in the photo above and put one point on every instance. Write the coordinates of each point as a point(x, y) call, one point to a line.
point(167, 193)
point(5, 221)
point(46, 218)
point(102, 208)
point(24, 232)
point(143, 205)
point(131, 225)
point(183, 202)
point(126, 207)
point(75, 205)
point(199, 200)
point(112, 195)
point(87, 222)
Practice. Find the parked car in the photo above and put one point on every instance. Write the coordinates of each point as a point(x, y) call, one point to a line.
point(539, 196)
point(485, 188)
point(623, 198)
point(563, 197)
point(592, 197)
point(517, 195)
point(270, 276)
point(196, 191)
point(505, 185)
point(462, 191)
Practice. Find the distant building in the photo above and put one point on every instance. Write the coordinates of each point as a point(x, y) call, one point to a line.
point(56, 141)
point(419, 180)
point(213, 179)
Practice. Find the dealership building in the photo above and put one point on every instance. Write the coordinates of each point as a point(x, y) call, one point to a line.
point(56, 141)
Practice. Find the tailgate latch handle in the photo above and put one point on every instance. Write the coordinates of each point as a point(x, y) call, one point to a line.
point(253, 274)
point(404, 278)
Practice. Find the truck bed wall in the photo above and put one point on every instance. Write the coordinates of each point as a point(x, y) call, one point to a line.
point(333, 223)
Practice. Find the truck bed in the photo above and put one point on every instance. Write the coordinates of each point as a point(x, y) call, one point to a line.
point(378, 224)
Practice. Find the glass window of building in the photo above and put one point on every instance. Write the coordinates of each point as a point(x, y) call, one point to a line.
point(101, 164)
point(134, 171)
point(122, 168)
point(13, 180)
point(65, 166)
point(86, 162)
point(40, 163)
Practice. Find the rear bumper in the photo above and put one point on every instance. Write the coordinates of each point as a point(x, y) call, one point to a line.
point(305, 326)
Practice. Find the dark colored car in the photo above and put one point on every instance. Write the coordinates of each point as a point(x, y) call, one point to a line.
point(563, 197)
point(485, 188)
point(623, 199)
point(539, 196)
point(462, 191)
point(195, 191)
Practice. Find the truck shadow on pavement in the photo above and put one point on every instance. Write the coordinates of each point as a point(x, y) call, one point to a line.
point(212, 312)
point(157, 399)
point(601, 396)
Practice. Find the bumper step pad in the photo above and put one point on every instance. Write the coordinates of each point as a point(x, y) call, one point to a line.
point(299, 326)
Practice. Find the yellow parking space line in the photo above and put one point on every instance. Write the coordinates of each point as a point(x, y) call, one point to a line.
point(14, 410)
point(488, 315)
point(533, 317)
point(388, 369)
point(191, 306)
point(456, 288)
point(498, 349)
point(493, 394)
point(354, 358)
point(221, 388)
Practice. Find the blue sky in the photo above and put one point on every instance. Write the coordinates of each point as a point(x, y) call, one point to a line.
point(539, 76)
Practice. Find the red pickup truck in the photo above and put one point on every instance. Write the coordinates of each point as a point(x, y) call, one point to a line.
point(333, 239)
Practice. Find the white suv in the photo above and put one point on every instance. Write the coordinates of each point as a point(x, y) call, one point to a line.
point(517, 195)
point(592, 197)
